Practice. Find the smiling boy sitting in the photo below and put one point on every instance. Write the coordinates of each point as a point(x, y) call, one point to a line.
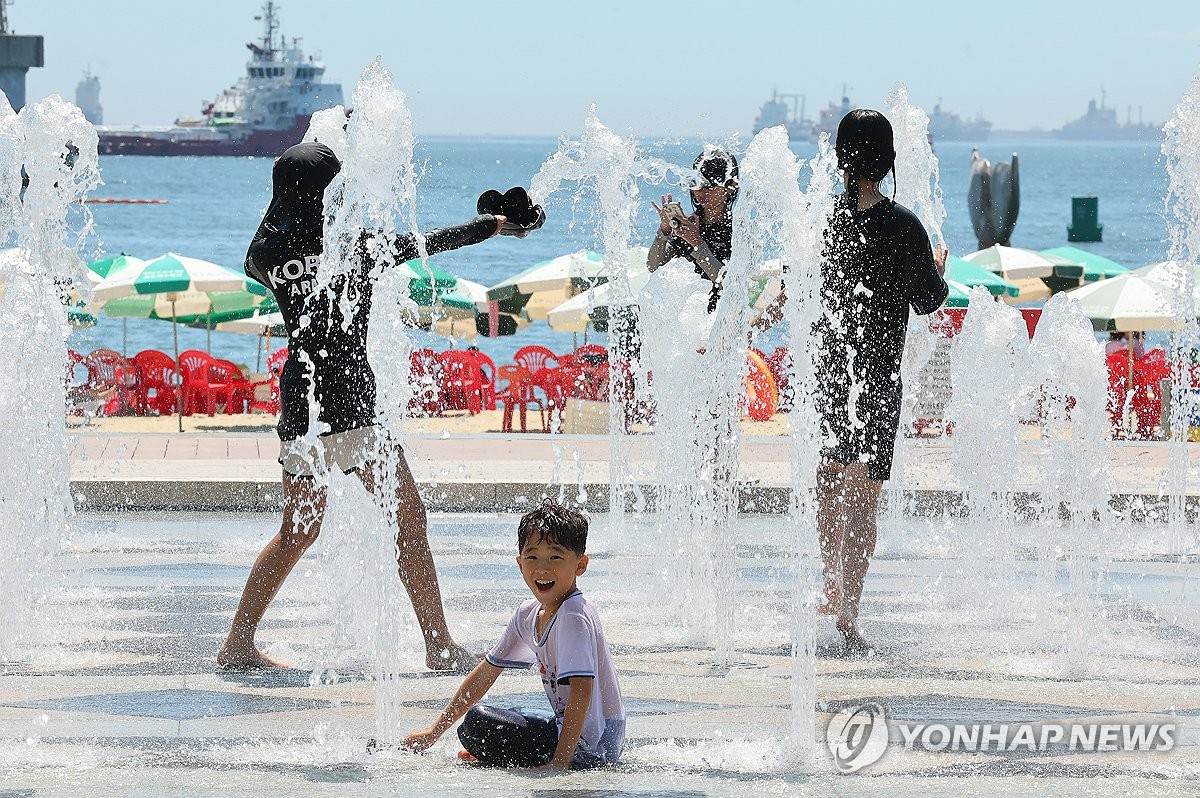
point(559, 632)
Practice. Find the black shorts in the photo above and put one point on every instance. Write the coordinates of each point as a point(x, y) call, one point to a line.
point(514, 738)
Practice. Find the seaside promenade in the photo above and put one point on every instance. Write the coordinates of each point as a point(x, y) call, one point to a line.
point(495, 472)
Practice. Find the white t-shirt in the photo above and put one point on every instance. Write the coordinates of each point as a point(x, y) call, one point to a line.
point(573, 645)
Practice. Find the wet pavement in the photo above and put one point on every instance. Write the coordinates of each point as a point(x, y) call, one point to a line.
point(120, 695)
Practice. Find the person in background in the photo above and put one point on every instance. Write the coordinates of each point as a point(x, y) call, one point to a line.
point(877, 265)
point(705, 237)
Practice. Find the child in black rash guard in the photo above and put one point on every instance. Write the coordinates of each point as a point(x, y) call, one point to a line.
point(328, 359)
point(877, 264)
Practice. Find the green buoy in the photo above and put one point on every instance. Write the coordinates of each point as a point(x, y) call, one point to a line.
point(1085, 220)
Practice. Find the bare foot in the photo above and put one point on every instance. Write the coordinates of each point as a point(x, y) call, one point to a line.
point(855, 642)
point(454, 659)
point(237, 659)
point(831, 600)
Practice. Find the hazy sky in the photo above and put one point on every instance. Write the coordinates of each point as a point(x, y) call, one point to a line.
point(653, 68)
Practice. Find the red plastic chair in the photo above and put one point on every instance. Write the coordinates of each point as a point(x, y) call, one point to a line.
point(534, 358)
point(593, 354)
point(554, 383)
point(197, 395)
point(518, 393)
point(228, 386)
point(460, 381)
point(487, 378)
point(426, 398)
point(110, 373)
point(585, 381)
point(157, 392)
point(271, 404)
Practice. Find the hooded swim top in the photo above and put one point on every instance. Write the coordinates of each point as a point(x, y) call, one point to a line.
point(326, 342)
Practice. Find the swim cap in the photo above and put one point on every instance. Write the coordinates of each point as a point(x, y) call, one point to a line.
point(304, 171)
point(865, 146)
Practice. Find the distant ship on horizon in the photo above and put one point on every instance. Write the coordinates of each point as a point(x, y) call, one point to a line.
point(1100, 124)
point(264, 113)
point(829, 118)
point(949, 126)
point(943, 125)
point(775, 112)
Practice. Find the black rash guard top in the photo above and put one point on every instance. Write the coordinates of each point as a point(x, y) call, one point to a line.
point(327, 351)
point(877, 263)
point(718, 237)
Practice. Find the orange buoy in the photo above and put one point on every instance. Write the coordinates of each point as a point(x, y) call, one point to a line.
point(761, 393)
point(110, 200)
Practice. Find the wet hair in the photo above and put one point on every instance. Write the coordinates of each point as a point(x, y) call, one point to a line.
point(555, 524)
point(716, 167)
point(865, 148)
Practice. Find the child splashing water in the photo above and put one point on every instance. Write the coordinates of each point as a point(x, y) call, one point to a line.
point(557, 631)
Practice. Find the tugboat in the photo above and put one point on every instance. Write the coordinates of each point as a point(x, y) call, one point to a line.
point(1100, 124)
point(949, 126)
point(264, 113)
point(776, 112)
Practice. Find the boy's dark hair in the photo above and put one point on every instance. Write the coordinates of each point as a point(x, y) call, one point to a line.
point(553, 523)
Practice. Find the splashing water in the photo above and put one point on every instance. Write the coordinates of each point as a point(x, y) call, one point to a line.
point(1181, 151)
point(1070, 381)
point(918, 176)
point(608, 165)
point(796, 221)
point(986, 409)
point(376, 191)
point(918, 188)
point(58, 150)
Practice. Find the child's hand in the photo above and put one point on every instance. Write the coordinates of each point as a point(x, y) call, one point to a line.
point(420, 741)
point(549, 767)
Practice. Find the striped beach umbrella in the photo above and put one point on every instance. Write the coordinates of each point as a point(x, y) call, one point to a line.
point(426, 281)
point(592, 307)
point(533, 293)
point(1017, 264)
point(173, 287)
point(970, 274)
point(1095, 267)
point(105, 267)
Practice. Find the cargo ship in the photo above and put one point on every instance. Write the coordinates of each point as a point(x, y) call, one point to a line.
point(776, 111)
point(1100, 124)
point(264, 113)
point(829, 119)
point(949, 126)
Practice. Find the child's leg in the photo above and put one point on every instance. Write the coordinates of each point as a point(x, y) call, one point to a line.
point(417, 570)
point(303, 512)
point(508, 738)
point(831, 531)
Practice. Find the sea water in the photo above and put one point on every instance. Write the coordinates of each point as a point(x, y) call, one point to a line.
point(215, 204)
